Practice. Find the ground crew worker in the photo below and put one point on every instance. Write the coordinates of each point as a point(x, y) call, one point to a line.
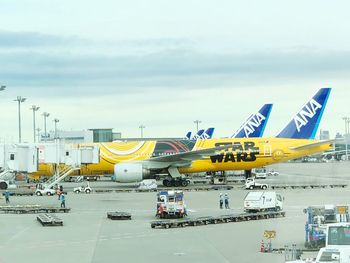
point(7, 197)
point(63, 201)
point(227, 201)
point(221, 200)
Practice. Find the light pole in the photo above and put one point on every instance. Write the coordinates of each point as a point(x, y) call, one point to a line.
point(19, 99)
point(346, 120)
point(56, 121)
point(38, 133)
point(197, 122)
point(34, 108)
point(142, 127)
point(45, 114)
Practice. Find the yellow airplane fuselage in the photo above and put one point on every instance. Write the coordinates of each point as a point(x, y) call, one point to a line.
point(240, 154)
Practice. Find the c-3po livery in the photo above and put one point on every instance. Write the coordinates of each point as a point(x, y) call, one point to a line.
point(138, 160)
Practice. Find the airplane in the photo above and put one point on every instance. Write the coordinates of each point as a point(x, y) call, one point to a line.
point(201, 134)
point(134, 161)
point(255, 125)
point(198, 135)
point(305, 123)
point(188, 136)
point(208, 134)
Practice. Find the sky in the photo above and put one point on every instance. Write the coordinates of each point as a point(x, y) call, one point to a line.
point(163, 64)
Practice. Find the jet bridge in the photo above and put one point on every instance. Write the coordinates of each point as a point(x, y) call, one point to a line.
point(71, 156)
point(16, 158)
point(27, 157)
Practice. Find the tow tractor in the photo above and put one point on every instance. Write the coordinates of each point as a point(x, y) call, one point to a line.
point(47, 188)
point(171, 204)
point(83, 189)
point(251, 184)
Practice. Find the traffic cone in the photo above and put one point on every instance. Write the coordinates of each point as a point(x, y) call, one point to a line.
point(262, 246)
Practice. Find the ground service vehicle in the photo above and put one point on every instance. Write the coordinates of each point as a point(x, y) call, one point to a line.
point(148, 184)
point(336, 255)
point(259, 173)
point(338, 234)
point(251, 184)
point(318, 220)
point(171, 204)
point(83, 189)
point(339, 254)
point(263, 201)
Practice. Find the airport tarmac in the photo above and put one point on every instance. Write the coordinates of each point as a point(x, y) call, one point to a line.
point(88, 236)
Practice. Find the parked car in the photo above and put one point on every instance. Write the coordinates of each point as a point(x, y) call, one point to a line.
point(273, 172)
point(91, 178)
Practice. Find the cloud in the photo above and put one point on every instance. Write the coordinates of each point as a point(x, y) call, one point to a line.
point(71, 65)
point(30, 40)
point(180, 68)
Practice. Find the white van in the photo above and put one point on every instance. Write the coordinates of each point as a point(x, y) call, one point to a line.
point(263, 201)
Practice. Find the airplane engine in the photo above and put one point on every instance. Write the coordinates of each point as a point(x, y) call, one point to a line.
point(130, 172)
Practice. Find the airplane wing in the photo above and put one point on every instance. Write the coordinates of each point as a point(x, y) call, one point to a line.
point(334, 152)
point(312, 145)
point(188, 156)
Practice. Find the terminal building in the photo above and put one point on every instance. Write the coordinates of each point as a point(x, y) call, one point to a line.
point(324, 135)
point(83, 136)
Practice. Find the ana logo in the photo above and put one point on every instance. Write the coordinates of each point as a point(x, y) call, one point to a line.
point(205, 136)
point(254, 122)
point(307, 113)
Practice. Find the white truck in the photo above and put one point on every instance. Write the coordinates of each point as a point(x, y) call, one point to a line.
point(263, 201)
point(260, 173)
point(251, 184)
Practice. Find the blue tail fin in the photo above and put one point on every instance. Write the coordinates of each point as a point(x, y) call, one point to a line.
point(255, 125)
point(208, 134)
point(188, 136)
point(305, 123)
point(198, 135)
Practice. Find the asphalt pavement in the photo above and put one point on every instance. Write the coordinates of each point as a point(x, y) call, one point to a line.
point(89, 236)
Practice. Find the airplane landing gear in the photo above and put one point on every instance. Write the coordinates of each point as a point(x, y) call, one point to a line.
point(175, 182)
point(247, 174)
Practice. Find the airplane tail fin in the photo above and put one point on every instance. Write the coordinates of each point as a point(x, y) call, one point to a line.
point(305, 123)
point(208, 134)
point(198, 135)
point(188, 136)
point(255, 125)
